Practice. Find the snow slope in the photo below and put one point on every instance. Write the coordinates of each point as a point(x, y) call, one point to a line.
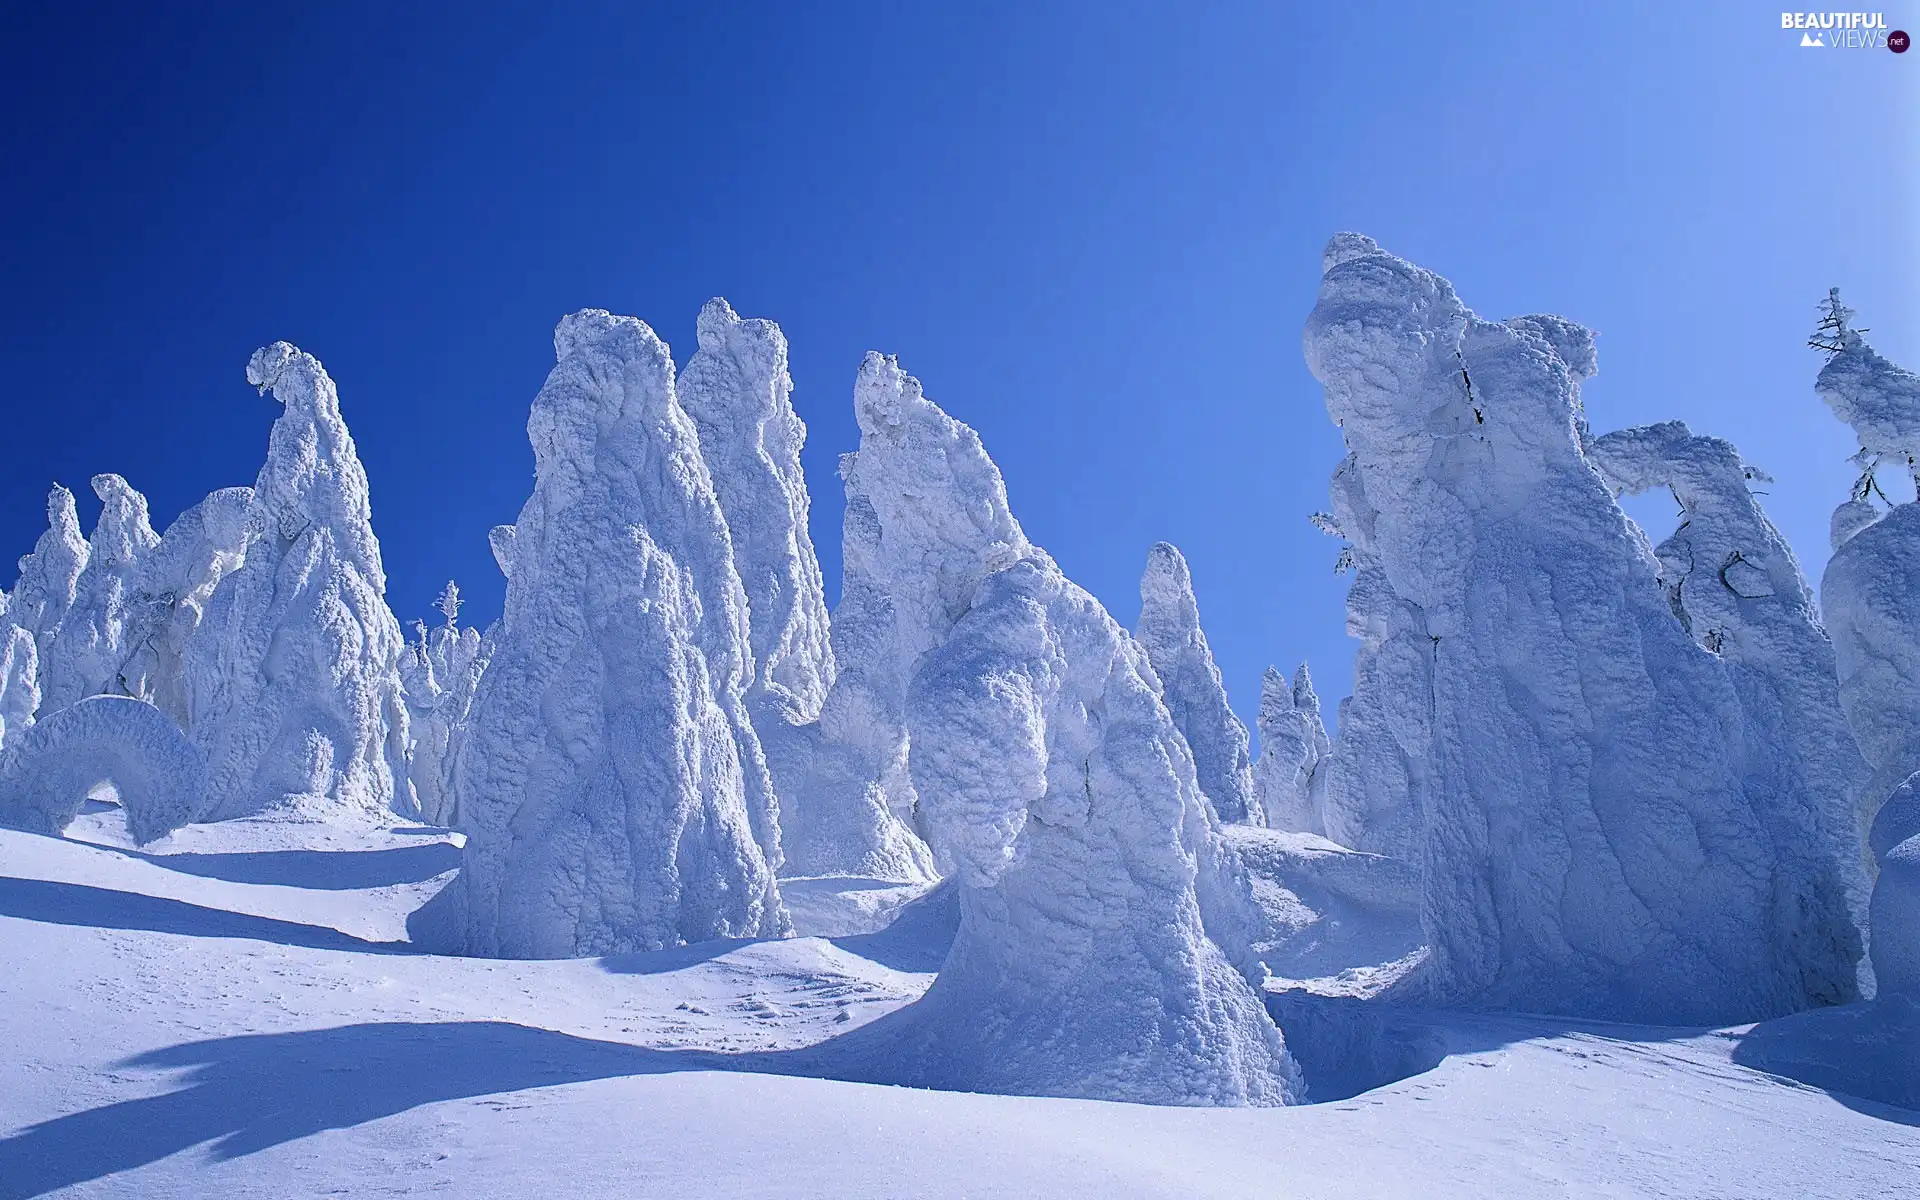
point(226, 1013)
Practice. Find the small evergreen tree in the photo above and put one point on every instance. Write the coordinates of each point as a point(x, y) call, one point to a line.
point(449, 603)
point(1835, 325)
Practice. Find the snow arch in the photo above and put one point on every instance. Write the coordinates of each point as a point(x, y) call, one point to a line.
point(45, 777)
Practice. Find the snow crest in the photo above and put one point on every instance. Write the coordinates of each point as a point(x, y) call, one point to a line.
point(1602, 834)
point(611, 786)
point(1196, 697)
point(292, 675)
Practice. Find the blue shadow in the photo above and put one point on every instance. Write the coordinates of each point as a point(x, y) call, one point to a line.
point(103, 908)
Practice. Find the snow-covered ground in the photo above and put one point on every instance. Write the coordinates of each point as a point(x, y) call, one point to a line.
point(232, 1012)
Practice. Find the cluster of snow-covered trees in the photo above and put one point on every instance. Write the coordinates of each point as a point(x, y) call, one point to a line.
point(1634, 781)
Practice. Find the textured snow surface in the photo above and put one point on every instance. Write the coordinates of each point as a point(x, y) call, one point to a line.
point(610, 785)
point(19, 682)
point(1103, 948)
point(1287, 779)
point(1196, 697)
point(1880, 400)
point(219, 1015)
point(1896, 893)
point(1604, 835)
point(293, 672)
point(46, 775)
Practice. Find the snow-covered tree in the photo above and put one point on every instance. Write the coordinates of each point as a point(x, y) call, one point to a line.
point(93, 640)
point(1602, 832)
point(293, 672)
point(611, 785)
point(1293, 744)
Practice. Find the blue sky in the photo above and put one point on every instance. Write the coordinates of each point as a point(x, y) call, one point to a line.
point(1093, 231)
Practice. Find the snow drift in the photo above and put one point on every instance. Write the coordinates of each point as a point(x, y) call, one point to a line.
point(611, 786)
point(1604, 835)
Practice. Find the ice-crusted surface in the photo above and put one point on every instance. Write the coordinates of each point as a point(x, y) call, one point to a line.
point(1293, 743)
point(1734, 583)
point(611, 786)
point(737, 390)
point(170, 594)
point(44, 591)
point(1103, 948)
point(46, 774)
point(1196, 697)
point(1602, 835)
point(292, 677)
point(86, 652)
point(926, 520)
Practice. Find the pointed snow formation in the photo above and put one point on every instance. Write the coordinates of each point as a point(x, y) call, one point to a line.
point(1603, 832)
point(45, 590)
point(172, 588)
point(736, 389)
point(1169, 631)
point(292, 677)
point(611, 786)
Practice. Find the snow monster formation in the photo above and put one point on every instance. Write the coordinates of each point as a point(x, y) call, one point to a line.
point(87, 651)
point(1871, 594)
point(1103, 947)
point(292, 677)
point(611, 786)
point(1293, 744)
point(737, 390)
point(1604, 832)
point(49, 576)
point(46, 773)
point(1169, 631)
point(170, 594)
point(1735, 585)
point(926, 520)
point(19, 680)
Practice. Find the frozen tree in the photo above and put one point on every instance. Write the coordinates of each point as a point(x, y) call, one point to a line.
point(737, 390)
point(1293, 744)
point(1103, 948)
point(170, 593)
point(47, 772)
point(1196, 697)
point(926, 520)
point(611, 787)
point(1871, 594)
point(45, 589)
point(1734, 583)
point(440, 673)
point(86, 652)
point(1602, 833)
point(293, 673)
point(19, 680)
